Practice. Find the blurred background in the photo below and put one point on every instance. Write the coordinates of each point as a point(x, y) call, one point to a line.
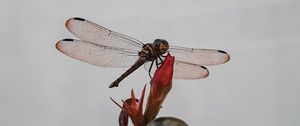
point(39, 86)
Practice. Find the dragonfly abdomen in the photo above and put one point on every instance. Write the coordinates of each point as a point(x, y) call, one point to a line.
point(135, 66)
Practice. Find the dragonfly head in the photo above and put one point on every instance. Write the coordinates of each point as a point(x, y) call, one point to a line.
point(161, 45)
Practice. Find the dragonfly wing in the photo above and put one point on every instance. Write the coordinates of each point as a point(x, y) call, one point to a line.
point(183, 70)
point(97, 54)
point(88, 31)
point(199, 56)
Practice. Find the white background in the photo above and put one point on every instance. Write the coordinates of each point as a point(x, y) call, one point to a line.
point(40, 86)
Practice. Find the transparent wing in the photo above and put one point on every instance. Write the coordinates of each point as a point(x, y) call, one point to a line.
point(88, 31)
point(183, 70)
point(199, 56)
point(97, 54)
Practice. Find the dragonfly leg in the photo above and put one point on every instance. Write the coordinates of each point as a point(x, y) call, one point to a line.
point(156, 62)
point(149, 72)
point(160, 60)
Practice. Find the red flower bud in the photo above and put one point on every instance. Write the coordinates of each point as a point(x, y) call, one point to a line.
point(161, 84)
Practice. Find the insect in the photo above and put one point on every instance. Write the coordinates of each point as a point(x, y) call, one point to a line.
point(100, 46)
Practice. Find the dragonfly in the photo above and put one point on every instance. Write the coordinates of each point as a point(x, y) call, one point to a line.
point(103, 47)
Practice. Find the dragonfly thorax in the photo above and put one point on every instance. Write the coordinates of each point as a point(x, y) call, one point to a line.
point(153, 50)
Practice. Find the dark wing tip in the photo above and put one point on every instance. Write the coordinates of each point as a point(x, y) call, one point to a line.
point(226, 57)
point(204, 67)
point(205, 74)
point(79, 19)
point(59, 44)
point(67, 40)
point(69, 22)
point(221, 51)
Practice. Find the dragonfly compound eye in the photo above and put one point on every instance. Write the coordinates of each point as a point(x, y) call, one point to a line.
point(163, 47)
